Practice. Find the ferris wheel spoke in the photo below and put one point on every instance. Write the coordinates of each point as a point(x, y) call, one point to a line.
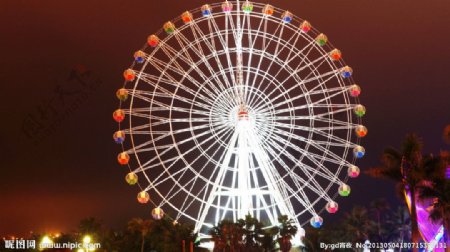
point(204, 189)
point(320, 118)
point(326, 174)
point(140, 148)
point(315, 158)
point(294, 72)
point(218, 180)
point(226, 47)
point(271, 176)
point(285, 63)
point(177, 68)
point(156, 82)
point(163, 177)
point(308, 171)
point(212, 47)
point(195, 28)
point(298, 53)
point(183, 171)
point(261, 199)
point(167, 107)
point(330, 74)
point(186, 44)
point(332, 122)
point(251, 41)
point(329, 92)
point(277, 47)
point(315, 104)
point(313, 130)
point(281, 183)
point(307, 205)
point(327, 95)
point(281, 133)
point(147, 165)
point(265, 46)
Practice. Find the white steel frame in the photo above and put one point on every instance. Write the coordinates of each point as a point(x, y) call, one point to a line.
point(193, 152)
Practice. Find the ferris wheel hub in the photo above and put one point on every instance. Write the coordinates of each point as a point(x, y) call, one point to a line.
point(243, 113)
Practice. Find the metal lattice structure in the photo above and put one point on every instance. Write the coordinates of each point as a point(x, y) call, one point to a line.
point(240, 108)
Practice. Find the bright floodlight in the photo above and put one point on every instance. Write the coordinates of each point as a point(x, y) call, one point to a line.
point(87, 239)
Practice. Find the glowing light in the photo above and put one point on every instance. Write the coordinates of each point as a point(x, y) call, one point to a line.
point(359, 110)
point(122, 94)
point(139, 56)
point(119, 115)
point(354, 90)
point(305, 26)
point(131, 178)
point(153, 40)
point(359, 151)
point(157, 213)
point(316, 221)
point(186, 17)
point(169, 27)
point(247, 7)
point(346, 72)
point(268, 10)
point(321, 39)
point(129, 75)
point(353, 171)
point(361, 131)
point(143, 197)
point(332, 207)
point(123, 158)
point(335, 55)
point(45, 243)
point(287, 17)
point(344, 190)
point(87, 239)
point(206, 10)
point(119, 137)
point(227, 7)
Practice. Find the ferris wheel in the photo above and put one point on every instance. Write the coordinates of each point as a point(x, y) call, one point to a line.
point(239, 108)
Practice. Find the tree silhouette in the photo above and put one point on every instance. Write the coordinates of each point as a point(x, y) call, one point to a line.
point(404, 167)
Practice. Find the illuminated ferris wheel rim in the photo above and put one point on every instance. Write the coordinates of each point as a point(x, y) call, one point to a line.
point(142, 77)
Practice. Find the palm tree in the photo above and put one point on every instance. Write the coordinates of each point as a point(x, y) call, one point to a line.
point(312, 239)
point(253, 233)
point(406, 169)
point(138, 225)
point(357, 225)
point(447, 134)
point(228, 236)
point(378, 207)
point(90, 226)
point(439, 193)
point(287, 231)
point(267, 241)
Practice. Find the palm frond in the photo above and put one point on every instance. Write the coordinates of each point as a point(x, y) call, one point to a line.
point(426, 192)
point(447, 134)
point(412, 147)
point(436, 215)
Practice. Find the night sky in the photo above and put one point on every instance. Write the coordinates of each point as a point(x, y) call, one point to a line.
point(58, 157)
